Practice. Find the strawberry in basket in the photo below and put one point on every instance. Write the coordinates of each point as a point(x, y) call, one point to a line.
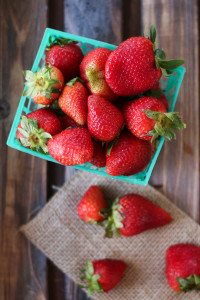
point(92, 71)
point(73, 101)
point(137, 65)
point(102, 275)
point(37, 127)
point(147, 118)
point(45, 85)
point(72, 146)
point(128, 155)
point(65, 55)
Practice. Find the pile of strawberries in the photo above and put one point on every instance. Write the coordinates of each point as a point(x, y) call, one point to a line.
point(127, 216)
point(105, 108)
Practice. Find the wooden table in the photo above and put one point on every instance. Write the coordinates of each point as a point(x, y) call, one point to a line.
point(26, 183)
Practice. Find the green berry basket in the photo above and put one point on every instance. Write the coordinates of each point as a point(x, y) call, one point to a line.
point(170, 85)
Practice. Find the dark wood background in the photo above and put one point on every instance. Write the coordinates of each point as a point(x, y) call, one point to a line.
point(26, 183)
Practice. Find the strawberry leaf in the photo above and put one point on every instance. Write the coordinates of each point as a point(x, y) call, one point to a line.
point(192, 282)
point(170, 64)
point(152, 34)
point(74, 80)
point(59, 41)
point(90, 278)
point(160, 54)
point(165, 124)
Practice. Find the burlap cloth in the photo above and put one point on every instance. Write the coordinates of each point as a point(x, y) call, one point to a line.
point(69, 242)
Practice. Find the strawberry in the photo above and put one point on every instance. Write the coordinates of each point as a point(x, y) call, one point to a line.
point(66, 56)
point(133, 214)
point(92, 203)
point(92, 71)
point(147, 119)
point(104, 119)
point(102, 275)
point(72, 146)
point(99, 155)
point(73, 101)
point(45, 85)
point(66, 121)
point(37, 127)
point(136, 66)
point(129, 155)
point(183, 267)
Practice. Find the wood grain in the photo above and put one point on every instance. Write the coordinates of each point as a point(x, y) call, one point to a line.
point(22, 177)
point(177, 170)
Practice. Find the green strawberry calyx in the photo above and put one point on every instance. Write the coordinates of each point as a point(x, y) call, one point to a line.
point(192, 282)
point(167, 66)
point(113, 220)
point(90, 279)
point(33, 137)
point(40, 83)
point(73, 81)
point(59, 41)
point(165, 124)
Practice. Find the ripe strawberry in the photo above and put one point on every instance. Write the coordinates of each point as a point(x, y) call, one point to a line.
point(66, 56)
point(103, 275)
point(37, 127)
point(99, 155)
point(73, 101)
point(147, 119)
point(135, 67)
point(66, 122)
point(72, 146)
point(183, 267)
point(129, 155)
point(133, 214)
point(104, 119)
point(92, 71)
point(92, 203)
point(45, 85)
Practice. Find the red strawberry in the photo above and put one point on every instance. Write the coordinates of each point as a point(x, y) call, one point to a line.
point(183, 267)
point(66, 56)
point(37, 127)
point(135, 67)
point(92, 203)
point(66, 122)
point(164, 100)
point(133, 214)
point(158, 93)
point(103, 275)
point(73, 101)
point(147, 119)
point(99, 155)
point(45, 85)
point(104, 119)
point(128, 156)
point(72, 146)
point(92, 71)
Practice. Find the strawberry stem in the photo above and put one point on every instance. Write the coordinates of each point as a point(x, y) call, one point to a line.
point(165, 124)
point(74, 80)
point(59, 41)
point(33, 137)
point(91, 279)
point(192, 282)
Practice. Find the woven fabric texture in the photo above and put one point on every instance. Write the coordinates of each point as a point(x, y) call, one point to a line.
point(69, 242)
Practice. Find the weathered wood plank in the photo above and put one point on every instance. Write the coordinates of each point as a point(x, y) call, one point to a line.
point(22, 177)
point(177, 170)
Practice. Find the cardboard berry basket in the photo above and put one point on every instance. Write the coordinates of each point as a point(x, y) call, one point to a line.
point(170, 85)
